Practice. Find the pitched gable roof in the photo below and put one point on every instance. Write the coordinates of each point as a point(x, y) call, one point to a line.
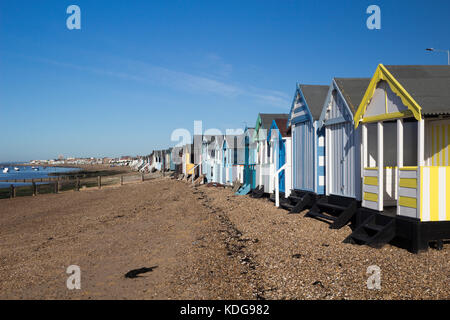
point(267, 118)
point(282, 125)
point(429, 86)
point(353, 90)
point(315, 96)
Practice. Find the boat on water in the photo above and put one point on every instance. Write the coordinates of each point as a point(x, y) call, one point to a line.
point(16, 169)
point(35, 168)
point(5, 170)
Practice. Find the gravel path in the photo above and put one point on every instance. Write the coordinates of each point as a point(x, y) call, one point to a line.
point(301, 258)
point(206, 243)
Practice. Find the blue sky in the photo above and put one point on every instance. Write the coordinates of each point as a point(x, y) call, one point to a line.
point(137, 70)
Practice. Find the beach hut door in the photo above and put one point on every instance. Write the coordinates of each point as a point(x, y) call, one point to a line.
point(340, 157)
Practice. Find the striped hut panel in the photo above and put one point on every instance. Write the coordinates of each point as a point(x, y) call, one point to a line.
point(439, 144)
point(435, 193)
point(407, 192)
point(299, 111)
point(370, 188)
point(321, 162)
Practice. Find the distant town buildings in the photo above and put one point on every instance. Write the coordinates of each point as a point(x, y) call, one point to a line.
point(120, 161)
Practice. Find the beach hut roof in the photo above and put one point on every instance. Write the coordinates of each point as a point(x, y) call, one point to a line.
point(428, 85)
point(264, 121)
point(267, 118)
point(422, 89)
point(314, 96)
point(282, 125)
point(352, 90)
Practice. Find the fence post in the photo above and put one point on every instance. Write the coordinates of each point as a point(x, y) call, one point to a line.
point(34, 187)
point(99, 181)
point(12, 191)
point(55, 185)
point(142, 177)
point(121, 180)
point(77, 187)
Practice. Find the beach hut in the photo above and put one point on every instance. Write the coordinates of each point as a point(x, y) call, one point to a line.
point(308, 174)
point(217, 156)
point(264, 181)
point(225, 165)
point(170, 165)
point(405, 122)
point(209, 167)
point(237, 158)
point(188, 165)
point(232, 157)
point(342, 152)
point(280, 154)
point(177, 159)
point(249, 162)
point(206, 161)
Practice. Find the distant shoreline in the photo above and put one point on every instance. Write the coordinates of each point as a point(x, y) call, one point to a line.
point(84, 171)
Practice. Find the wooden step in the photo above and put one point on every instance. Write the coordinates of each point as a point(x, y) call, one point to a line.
point(371, 233)
point(322, 216)
point(287, 205)
point(339, 214)
point(330, 206)
point(365, 238)
point(374, 227)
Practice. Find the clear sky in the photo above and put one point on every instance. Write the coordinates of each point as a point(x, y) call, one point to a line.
point(137, 70)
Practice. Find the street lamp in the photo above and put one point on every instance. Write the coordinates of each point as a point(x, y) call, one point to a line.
point(438, 50)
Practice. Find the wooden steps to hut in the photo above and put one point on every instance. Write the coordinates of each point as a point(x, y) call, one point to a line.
point(297, 201)
point(257, 193)
point(376, 231)
point(338, 211)
point(245, 189)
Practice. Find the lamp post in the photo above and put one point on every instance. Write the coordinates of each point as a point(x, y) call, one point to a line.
point(438, 50)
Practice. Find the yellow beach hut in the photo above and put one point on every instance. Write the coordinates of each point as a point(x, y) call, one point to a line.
point(405, 119)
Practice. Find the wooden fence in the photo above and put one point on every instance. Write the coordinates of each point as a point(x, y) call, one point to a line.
point(65, 183)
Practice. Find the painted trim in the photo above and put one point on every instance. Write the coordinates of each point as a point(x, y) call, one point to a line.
point(349, 112)
point(300, 119)
point(338, 120)
point(382, 73)
point(308, 115)
point(388, 116)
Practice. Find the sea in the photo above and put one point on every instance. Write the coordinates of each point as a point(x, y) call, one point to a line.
point(27, 172)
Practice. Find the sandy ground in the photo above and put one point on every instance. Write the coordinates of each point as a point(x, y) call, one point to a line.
point(206, 243)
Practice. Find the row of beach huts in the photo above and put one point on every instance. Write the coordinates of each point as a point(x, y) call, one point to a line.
point(370, 152)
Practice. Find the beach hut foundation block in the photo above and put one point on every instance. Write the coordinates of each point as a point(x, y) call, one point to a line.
point(336, 210)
